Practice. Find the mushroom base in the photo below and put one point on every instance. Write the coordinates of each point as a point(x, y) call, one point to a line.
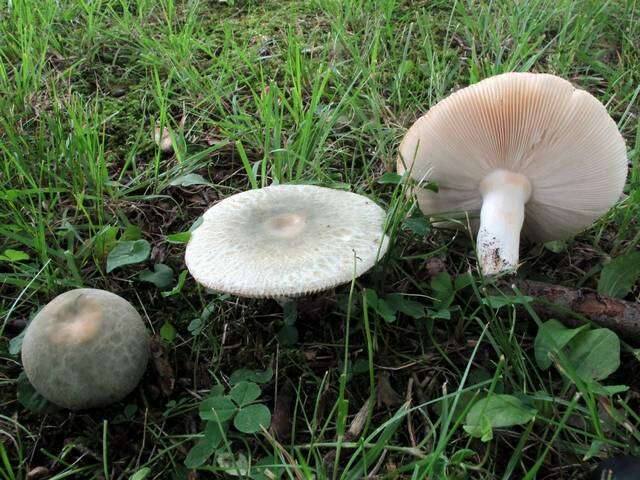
point(504, 195)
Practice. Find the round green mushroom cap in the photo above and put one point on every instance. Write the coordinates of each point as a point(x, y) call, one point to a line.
point(86, 348)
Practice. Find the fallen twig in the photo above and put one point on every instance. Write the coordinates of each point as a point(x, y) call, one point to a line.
point(570, 305)
point(573, 306)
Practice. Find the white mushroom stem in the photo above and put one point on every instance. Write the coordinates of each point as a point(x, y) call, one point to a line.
point(504, 196)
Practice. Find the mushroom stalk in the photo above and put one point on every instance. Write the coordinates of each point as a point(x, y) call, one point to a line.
point(504, 195)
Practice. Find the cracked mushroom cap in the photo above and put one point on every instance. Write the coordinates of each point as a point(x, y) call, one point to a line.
point(286, 241)
point(560, 138)
point(86, 348)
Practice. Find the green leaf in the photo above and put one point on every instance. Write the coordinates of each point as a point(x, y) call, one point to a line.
point(390, 178)
point(214, 433)
point(288, 335)
point(595, 448)
point(385, 311)
point(556, 246)
point(406, 67)
point(15, 344)
point(463, 281)
point(418, 224)
point(380, 306)
point(128, 253)
point(161, 277)
point(217, 409)
point(246, 375)
point(496, 411)
point(605, 390)
point(595, 354)
point(182, 237)
point(400, 303)
point(443, 314)
point(244, 393)
point(168, 331)
point(141, 474)
point(483, 430)
point(11, 255)
point(178, 288)
point(199, 454)
point(619, 275)
point(196, 326)
point(236, 467)
point(250, 418)
point(188, 180)
point(443, 291)
point(216, 391)
point(31, 399)
point(289, 313)
point(431, 186)
point(552, 336)
point(130, 410)
point(131, 232)
point(502, 301)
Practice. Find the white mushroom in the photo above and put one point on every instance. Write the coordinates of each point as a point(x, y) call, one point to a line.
point(286, 241)
point(529, 151)
point(86, 348)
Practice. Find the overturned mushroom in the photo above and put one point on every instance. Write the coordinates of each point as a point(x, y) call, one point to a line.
point(528, 151)
point(86, 348)
point(286, 241)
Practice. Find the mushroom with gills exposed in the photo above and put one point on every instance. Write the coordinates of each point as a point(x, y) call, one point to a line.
point(86, 348)
point(286, 241)
point(528, 151)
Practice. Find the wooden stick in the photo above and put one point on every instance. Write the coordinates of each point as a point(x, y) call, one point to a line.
point(569, 304)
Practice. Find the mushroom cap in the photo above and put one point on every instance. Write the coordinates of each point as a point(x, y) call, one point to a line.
point(561, 138)
point(286, 241)
point(86, 348)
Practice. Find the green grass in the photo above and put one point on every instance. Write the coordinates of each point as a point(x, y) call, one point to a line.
point(319, 91)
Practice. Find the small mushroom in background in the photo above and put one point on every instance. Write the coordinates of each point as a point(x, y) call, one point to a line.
point(86, 348)
point(286, 241)
point(162, 137)
point(528, 151)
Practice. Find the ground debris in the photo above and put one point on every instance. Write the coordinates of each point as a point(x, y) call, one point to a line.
point(281, 419)
point(162, 366)
point(568, 304)
point(386, 394)
point(37, 473)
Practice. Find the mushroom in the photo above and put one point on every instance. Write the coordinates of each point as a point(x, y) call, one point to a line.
point(286, 241)
point(528, 151)
point(86, 348)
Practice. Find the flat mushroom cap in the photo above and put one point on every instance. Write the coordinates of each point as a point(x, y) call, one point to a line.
point(286, 241)
point(561, 138)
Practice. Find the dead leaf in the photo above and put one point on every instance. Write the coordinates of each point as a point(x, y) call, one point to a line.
point(434, 266)
point(386, 394)
point(357, 424)
point(160, 359)
point(281, 419)
point(37, 472)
